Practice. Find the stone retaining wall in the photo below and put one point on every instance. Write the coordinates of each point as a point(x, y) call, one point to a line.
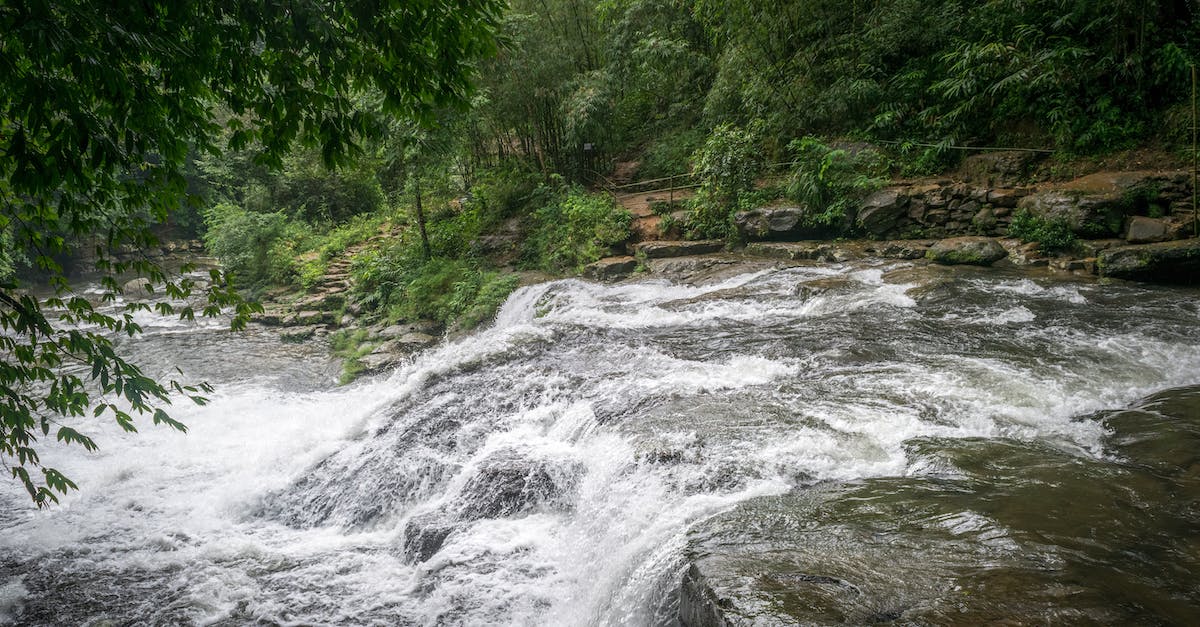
point(1096, 206)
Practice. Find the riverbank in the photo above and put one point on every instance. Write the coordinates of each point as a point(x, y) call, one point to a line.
point(998, 209)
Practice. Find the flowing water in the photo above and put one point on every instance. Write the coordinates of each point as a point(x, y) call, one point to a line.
point(564, 465)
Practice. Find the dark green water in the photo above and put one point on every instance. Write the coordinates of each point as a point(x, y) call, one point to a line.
point(991, 532)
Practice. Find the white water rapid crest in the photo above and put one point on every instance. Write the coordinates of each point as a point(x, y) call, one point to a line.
point(546, 470)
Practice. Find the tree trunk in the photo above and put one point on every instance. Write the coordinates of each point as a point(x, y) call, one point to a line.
point(421, 218)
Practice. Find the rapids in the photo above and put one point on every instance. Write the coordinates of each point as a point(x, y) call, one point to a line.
point(550, 469)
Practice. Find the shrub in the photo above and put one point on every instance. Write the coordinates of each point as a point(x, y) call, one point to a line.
point(257, 248)
point(831, 181)
point(1050, 235)
point(574, 230)
point(398, 281)
point(726, 166)
point(669, 155)
point(504, 192)
point(314, 193)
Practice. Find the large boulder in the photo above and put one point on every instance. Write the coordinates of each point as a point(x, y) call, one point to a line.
point(1143, 230)
point(769, 222)
point(975, 251)
point(882, 211)
point(1084, 214)
point(414, 341)
point(610, 268)
point(395, 331)
point(138, 288)
point(1006, 197)
point(1164, 262)
point(1097, 205)
point(507, 483)
point(994, 168)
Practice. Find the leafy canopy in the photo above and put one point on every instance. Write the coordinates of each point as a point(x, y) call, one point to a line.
point(101, 106)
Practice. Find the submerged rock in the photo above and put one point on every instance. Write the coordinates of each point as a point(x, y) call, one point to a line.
point(976, 251)
point(1009, 532)
point(1165, 262)
point(508, 483)
point(425, 534)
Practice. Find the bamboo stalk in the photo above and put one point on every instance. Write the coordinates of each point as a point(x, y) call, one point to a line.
point(1195, 214)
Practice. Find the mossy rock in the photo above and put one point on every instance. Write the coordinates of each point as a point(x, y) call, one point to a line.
point(1164, 262)
point(974, 251)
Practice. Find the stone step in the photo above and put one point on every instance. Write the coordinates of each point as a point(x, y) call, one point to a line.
point(663, 249)
point(611, 268)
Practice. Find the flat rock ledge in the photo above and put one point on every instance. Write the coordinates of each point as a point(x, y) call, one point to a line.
point(611, 268)
point(1164, 262)
point(974, 251)
point(662, 249)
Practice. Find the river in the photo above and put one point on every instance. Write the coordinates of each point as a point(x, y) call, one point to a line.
point(567, 464)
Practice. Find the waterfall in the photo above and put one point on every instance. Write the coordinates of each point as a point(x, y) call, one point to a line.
point(547, 469)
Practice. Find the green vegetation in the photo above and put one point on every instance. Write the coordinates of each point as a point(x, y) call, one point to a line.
point(106, 111)
point(471, 134)
point(351, 345)
point(574, 229)
point(1050, 235)
point(443, 290)
point(831, 181)
point(726, 167)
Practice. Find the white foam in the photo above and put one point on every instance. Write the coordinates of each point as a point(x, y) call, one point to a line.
point(599, 380)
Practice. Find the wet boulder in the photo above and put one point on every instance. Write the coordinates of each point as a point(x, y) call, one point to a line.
point(425, 534)
point(508, 483)
point(976, 251)
point(901, 249)
point(138, 288)
point(788, 250)
point(1163, 262)
point(767, 223)
point(882, 211)
point(610, 268)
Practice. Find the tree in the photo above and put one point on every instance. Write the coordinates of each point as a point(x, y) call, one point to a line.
point(102, 103)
